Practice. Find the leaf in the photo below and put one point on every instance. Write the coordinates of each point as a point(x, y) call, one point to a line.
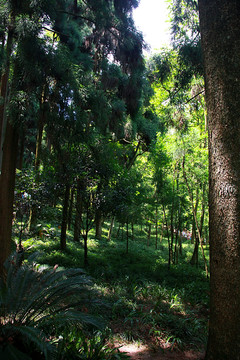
point(12, 353)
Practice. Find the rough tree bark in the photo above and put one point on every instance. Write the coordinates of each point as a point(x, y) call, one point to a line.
point(220, 29)
point(7, 184)
point(8, 152)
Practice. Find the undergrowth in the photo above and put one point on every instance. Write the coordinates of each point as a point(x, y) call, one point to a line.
point(142, 299)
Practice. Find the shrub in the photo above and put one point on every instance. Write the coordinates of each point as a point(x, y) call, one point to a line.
point(34, 301)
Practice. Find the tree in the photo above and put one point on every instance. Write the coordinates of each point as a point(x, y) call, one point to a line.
point(219, 23)
point(85, 33)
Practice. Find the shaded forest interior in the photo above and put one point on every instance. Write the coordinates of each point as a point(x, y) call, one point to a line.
point(117, 170)
point(137, 298)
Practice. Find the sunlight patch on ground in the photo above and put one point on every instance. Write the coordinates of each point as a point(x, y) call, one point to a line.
point(132, 348)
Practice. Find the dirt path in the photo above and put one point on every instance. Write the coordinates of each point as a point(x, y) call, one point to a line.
point(143, 353)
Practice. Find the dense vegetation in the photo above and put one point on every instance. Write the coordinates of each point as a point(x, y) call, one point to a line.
point(130, 297)
point(103, 167)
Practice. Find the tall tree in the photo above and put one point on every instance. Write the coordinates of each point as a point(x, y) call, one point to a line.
point(220, 27)
point(86, 33)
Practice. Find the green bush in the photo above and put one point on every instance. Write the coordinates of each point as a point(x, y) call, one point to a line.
point(76, 345)
point(35, 301)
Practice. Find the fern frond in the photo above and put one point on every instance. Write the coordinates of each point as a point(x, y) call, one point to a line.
point(37, 337)
point(35, 300)
point(73, 317)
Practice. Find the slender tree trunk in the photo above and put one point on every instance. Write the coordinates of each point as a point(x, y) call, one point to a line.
point(168, 237)
point(180, 244)
point(162, 231)
point(172, 225)
point(194, 259)
point(78, 213)
point(195, 218)
point(111, 229)
point(171, 233)
point(156, 230)
point(7, 184)
point(220, 28)
point(72, 190)
point(134, 156)
point(88, 225)
point(149, 233)
point(195, 239)
point(85, 238)
point(5, 89)
point(41, 121)
point(63, 242)
point(203, 211)
point(127, 243)
point(98, 223)
point(118, 230)
point(177, 237)
point(21, 153)
point(8, 152)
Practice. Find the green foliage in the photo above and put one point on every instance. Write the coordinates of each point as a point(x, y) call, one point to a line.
point(76, 69)
point(76, 345)
point(141, 295)
point(185, 21)
point(35, 300)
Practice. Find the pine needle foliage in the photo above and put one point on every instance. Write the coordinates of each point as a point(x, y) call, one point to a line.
point(35, 302)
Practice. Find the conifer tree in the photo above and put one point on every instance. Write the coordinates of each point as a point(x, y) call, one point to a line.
point(43, 35)
point(219, 22)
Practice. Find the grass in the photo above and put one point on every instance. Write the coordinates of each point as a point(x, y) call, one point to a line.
point(144, 300)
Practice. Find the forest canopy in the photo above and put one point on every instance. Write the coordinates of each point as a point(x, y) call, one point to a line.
point(101, 148)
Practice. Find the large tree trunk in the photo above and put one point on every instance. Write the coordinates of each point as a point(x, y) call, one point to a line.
point(220, 29)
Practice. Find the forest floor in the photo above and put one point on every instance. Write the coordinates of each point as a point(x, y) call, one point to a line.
point(136, 352)
point(149, 349)
point(151, 312)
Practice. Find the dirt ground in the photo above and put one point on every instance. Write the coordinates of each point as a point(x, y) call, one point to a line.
point(143, 353)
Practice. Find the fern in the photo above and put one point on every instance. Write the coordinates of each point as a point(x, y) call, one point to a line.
point(34, 301)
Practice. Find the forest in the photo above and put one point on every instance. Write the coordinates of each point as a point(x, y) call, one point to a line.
point(119, 182)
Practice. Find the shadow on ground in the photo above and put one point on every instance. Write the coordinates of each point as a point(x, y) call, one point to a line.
point(141, 352)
